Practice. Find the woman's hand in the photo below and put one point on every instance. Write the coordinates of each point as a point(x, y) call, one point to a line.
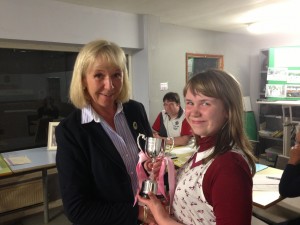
point(295, 150)
point(156, 135)
point(295, 155)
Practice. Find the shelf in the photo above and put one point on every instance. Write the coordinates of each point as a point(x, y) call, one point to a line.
point(262, 159)
point(273, 116)
point(282, 103)
point(277, 134)
point(271, 138)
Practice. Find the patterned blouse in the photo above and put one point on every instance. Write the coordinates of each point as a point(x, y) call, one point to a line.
point(218, 192)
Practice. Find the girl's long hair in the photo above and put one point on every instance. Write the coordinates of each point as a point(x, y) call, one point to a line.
point(221, 85)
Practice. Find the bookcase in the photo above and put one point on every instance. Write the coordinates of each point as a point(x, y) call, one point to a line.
point(277, 121)
point(278, 114)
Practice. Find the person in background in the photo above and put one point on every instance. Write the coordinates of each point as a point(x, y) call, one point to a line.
point(48, 112)
point(215, 185)
point(48, 109)
point(171, 124)
point(289, 185)
point(97, 151)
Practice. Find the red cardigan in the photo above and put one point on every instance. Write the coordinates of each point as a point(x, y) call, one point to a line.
point(227, 187)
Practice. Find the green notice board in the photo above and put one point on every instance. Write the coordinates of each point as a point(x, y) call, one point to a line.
point(250, 125)
point(283, 78)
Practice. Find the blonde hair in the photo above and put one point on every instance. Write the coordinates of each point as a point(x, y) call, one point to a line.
point(221, 85)
point(108, 51)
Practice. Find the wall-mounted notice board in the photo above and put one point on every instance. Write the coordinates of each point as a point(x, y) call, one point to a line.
point(283, 77)
point(196, 63)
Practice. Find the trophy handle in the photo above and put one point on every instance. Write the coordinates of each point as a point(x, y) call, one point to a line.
point(138, 140)
point(172, 146)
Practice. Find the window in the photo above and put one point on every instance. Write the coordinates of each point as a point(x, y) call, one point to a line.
point(30, 80)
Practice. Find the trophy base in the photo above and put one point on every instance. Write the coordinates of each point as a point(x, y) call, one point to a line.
point(160, 197)
point(144, 195)
point(148, 186)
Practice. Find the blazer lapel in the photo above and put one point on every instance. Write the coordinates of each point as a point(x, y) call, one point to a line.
point(103, 142)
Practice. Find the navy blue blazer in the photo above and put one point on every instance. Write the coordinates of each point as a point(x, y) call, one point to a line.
point(95, 186)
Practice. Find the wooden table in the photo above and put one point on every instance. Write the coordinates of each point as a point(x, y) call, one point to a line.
point(269, 205)
point(269, 194)
point(41, 159)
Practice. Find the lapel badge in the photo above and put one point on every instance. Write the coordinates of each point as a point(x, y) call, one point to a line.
point(135, 126)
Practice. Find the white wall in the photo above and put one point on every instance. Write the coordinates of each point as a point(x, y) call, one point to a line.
point(175, 41)
point(144, 63)
point(241, 58)
point(56, 22)
point(51, 21)
point(158, 49)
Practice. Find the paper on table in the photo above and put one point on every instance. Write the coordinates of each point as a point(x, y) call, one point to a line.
point(267, 187)
point(265, 198)
point(180, 161)
point(264, 180)
point(17, 160)
point(182, 150)
point(261, 182)
point(171, 155)
point(4, 167)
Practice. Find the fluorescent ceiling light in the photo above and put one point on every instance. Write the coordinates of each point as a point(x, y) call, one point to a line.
point(275, 26)
point(280, 17)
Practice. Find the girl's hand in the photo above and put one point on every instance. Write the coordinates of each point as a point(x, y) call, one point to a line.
point(145, 216)
point(150, 167)
point(156, 207)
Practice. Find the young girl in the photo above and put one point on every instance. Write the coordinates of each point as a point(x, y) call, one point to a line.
point(215, 185)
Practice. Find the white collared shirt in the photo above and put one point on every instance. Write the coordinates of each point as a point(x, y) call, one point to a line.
point(122, 138)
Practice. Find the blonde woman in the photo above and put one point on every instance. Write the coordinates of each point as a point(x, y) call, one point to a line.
point(96, 144)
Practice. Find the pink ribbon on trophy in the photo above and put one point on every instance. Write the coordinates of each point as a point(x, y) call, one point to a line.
point(166, 162)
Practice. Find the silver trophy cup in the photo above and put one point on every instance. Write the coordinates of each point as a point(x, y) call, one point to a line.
point(154, 147)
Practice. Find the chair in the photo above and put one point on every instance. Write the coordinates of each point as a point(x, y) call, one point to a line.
point(256, 221)
point(281, 162)
point(41, 136)
point(32, 121)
